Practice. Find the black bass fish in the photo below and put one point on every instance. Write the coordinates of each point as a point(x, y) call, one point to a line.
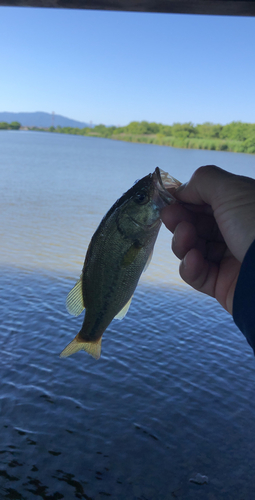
point(119, 251)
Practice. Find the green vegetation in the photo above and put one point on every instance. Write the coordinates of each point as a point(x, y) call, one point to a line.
point(236, 136)
point(10, 126)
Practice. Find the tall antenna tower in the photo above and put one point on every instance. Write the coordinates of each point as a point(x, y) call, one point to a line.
point(52, 118)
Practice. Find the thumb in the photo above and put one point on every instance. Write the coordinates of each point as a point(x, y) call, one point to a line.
point(206, 185)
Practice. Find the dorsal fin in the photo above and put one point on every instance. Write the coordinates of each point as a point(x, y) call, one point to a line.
point(74, 300)
point(92, 348)
point(124, 310)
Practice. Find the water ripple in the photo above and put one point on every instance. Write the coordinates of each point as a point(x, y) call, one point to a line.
point(173, 393)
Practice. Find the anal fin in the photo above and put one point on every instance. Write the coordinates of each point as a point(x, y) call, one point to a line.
point(124, 310)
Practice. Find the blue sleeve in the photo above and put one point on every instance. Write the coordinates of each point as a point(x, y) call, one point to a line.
point(244, 297)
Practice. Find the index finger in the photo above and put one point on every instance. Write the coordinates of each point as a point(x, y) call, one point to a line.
point(206, 185)
point(205, 224)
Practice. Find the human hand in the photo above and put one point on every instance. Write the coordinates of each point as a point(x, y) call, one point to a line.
point(213, 229)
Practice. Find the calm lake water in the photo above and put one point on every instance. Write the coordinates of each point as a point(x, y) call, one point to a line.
point(172, 394)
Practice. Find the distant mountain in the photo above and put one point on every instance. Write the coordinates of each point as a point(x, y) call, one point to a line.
point(40, 119)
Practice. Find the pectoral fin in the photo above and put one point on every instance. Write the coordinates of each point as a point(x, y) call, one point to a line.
point(92, 348)
point(131, 254)
point(74, 300)
point(124, 310)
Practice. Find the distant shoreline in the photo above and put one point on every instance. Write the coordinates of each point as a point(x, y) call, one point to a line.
point(236, 137)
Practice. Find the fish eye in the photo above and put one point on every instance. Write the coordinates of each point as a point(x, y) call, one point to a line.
point(141, 198)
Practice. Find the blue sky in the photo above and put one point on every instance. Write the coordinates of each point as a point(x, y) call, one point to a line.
point(115, 67)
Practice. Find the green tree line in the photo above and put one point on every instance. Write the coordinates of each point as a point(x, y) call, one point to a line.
point(235, 136)
point(10, 126)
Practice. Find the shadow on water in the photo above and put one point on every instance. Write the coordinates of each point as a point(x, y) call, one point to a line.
point(171, 396)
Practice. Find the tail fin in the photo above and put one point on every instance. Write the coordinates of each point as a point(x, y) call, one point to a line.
point(92, 348)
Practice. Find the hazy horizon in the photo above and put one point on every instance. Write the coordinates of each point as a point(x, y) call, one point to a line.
point(112, 124)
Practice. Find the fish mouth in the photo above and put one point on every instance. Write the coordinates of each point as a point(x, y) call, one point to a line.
point(165, 187)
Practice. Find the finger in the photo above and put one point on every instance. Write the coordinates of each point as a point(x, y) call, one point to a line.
point(185, 237)
point(205, 224)
point(207, 228)
point(205, 209)
point(205, 186)
point(215, 251)
point(231, 198)
point(198, 272)
point(172, 215)
point(216, 281)
point(225, 287)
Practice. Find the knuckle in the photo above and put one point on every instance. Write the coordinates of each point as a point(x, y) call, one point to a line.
point(206, 170)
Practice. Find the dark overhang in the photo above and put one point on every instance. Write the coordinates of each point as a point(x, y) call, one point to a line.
point(209, 7)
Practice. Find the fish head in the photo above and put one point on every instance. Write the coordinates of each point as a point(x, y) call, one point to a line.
point(145, 200)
